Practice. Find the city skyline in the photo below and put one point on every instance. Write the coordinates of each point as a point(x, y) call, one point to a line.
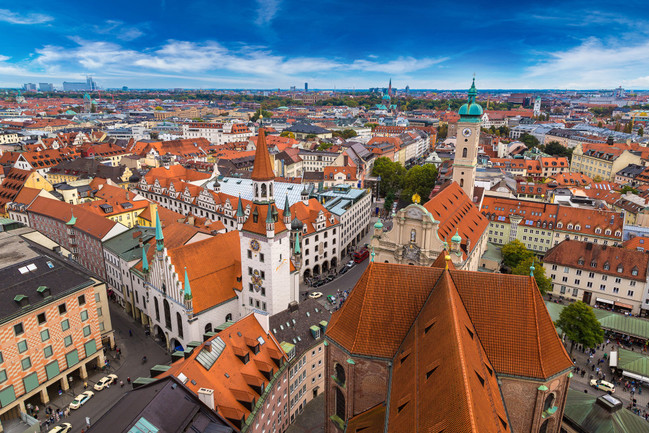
point(270, 44)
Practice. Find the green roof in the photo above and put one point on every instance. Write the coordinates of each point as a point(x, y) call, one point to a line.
point(627, 325)
point(634, 362)
point(287, 347)
point(584, 411)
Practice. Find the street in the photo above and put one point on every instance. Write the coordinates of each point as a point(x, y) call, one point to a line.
point(582, 384)
point(129, 365)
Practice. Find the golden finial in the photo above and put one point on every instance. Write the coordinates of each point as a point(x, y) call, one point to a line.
point(416, 198)
point(448, 259)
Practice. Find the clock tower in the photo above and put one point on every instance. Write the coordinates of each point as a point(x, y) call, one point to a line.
point(466, 145)
point(265, 243)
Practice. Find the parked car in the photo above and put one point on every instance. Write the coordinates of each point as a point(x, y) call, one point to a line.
point(315, 295)
point(63, 428)
point(343, 270)
point(603, 385)
point(105, 381)
point(81, 399)
point(331, 299)
point(330, 278)
point(318, 283)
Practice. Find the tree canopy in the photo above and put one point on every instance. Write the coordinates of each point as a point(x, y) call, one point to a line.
point(345, 133)
point(529, 140)
point(392, 175)
point(288, 134)
point(514, 253)
point(420, 180)
point(580, 325)
point(266, 114)
point(554, 148)
point(523, 268)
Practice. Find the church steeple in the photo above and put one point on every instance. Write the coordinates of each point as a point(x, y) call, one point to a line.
point(287, 212)
point(263, 176)
point(159, 238)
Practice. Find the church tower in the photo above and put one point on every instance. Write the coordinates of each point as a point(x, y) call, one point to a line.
point(466, 145)
point(265, 243)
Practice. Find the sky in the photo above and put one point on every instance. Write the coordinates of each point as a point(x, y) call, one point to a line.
point(269, 44)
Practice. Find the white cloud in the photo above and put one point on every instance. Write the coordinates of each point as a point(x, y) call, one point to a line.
point(8, 16)
point(400, 65)
point(593, 64)
point(266, 11)
point(120, 30)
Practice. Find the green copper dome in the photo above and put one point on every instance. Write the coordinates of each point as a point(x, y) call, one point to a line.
point(378, 225)
point(471, 109)
point(456, 238)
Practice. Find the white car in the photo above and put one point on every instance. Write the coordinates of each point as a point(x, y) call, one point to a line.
point(105, 381)
point(63, 428)
point(315, 295)
point(81, 399)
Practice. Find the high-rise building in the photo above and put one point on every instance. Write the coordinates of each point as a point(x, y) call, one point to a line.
point(29, 87)
point(306, 87)
point(46, 87)
point(88, 85)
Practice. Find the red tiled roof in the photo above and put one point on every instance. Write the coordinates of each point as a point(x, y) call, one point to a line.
point(263, 169)
point(640, 243)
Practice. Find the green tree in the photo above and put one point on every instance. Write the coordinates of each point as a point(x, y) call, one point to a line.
point(260, 111)
point(371, 125)
point(288, 134)
point(599, 124)
point(442, 131)
point(529, 140)
point(324, 146)
point(627, 188)
point(514, 253)
point(392, 175)
point(419, 180)
point(389, 201)
point(580, 325)
point(641, 131)
point(556, 149)
point(523, 268)
point(345, 134)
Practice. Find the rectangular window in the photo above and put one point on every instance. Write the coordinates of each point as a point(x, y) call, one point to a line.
point(99, 312)
point(41, 318)
point(563, 290)
point(22, 346)
point(45, 334)
point(82, 300)
point(67, 340)
point(97, 297)
point(26, 363)
point(249, 254)
point(101, 326)
point(589, 284)
point(629, 293)
point(62, 309)
point(3, 376)
point(18, 329)
point(261, 257)
point(615, 290)
point(86, 331)
point(65, 325)
point(84, 315)
point(602, 287)
point(47, 352)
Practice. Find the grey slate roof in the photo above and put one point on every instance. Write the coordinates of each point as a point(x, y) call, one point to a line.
point(305, 128)
point(165, 404)
point(293, 325)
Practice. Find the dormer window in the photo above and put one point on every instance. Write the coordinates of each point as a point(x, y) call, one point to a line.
point(620, 268)
point(634, 271)
point(593, 264)
point(607, 232)
point(581, 261)
point(607, 266)
point(569, 226)
point(577, 227)
point(598, 230)
point(559, 225)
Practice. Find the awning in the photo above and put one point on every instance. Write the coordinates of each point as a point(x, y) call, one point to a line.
point(635, 376)
point(612, 360)
point(621, 305)
point(606, 301)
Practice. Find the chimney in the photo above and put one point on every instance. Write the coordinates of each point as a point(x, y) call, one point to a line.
point(292, 306)
point(208, 346)
point(206, 396)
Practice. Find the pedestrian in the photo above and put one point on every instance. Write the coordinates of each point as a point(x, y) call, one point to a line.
point(121, 384)
point(130, 333)
point(128, 380)
point(85, 385)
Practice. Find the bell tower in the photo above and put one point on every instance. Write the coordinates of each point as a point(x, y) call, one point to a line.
point(263, 177)
point(466, 145)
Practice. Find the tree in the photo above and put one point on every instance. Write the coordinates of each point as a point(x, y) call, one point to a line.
point(389, 201)
point(529, 140)
point(344, 134)
point(580, 325)
point(599, 124)
point(288, 134)
point(262, 112)
point(442, 131)
point(641, 131)
point(514, 253)
point(371, 125)
point(627, 188)
point(392, 175)
point(419, 180)
point(556, 149)
point(324, 146)
point(523, 268)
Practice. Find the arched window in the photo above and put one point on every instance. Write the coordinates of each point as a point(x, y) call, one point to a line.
point(413, 235)
point(263, 190)
point(256, 190)
point(461, 183)
point(165, 305)
point(464, 152)
point(549, 402)
point(228, 318)
point(340, 404)
point(544, 426)
point(157, 309)
point(340, 374)
point(208, 327)
point(179, 323)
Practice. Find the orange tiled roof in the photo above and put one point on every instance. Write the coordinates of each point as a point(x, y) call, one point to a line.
point(256, 222)
point(175, 172)
point(507, 311)
point(455, 211)
point(229, 377)
point(639, 243)
point(212, 281)
point(11, 185)
point(263, 169)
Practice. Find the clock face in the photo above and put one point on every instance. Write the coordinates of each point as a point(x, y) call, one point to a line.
point(466, 132)
point(254, 245)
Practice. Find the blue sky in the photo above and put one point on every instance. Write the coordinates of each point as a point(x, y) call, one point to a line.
point(328, 43)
